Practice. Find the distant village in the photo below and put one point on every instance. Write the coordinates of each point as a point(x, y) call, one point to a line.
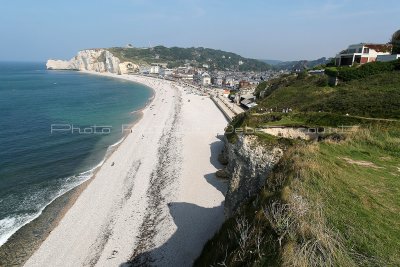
point(237, 88)
point(229, 83)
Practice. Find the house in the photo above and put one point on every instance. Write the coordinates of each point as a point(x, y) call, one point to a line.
point(218, 81)
point(230, 81)
point(205, 79)
point(244, 84)
point(155, 69)
point(144, 69)
point(166, 72)
point(386, 58)
point(362, 53)
point(184, 77)
point(245, 100)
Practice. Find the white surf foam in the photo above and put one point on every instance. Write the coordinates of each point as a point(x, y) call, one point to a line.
point(11, 224)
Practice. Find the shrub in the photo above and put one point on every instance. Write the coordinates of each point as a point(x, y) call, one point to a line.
point(322, 81)
point(354, 73)
point(332, 71)
point(260, 87)
point(396, 64)
point(302, 75)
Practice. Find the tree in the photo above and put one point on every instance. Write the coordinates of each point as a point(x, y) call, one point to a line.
point(396, 42)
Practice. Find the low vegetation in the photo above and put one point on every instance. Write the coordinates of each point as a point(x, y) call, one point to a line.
point(375, 96)
point(331, 202)
point(364, 71)
point(176, 56)
point(326, 204)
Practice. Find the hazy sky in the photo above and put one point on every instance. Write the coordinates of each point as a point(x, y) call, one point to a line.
point(34, 30)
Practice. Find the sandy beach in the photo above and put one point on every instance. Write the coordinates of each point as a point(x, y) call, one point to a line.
point(155, 200)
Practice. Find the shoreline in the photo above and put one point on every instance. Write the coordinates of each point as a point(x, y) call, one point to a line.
point(69, 197)
point(113, 224)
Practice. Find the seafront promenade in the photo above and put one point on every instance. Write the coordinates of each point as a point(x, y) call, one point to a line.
point(228, 108)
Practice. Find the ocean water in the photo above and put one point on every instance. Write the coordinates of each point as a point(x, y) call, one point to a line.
point(55, 128)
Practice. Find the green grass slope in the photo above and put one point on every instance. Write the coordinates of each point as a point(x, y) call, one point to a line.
point(377, 96)
point(331, 202)
point(176, 56)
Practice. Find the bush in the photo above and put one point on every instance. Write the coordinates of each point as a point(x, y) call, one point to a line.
point(260, 87)
point(322, 81)
point(354, 73)
point(396, 64)
point(332, 71)
point(302, 75)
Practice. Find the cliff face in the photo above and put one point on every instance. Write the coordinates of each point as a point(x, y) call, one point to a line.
point(249, 163)
point(98, 60)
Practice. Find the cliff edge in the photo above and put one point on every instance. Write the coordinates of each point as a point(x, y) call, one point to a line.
point(98, 60)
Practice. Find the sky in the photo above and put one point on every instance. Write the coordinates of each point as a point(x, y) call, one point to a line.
point(263, 29)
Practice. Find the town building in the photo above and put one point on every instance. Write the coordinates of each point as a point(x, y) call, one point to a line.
point(217, 81)
point(244, 84)
point(166, 72)
point(184, 77)
point(230, 81)
point(362, 53)
point(155, 69)
point(245, 100)
point(205, 79)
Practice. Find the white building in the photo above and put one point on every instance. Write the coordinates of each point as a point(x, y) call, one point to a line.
point(184, 77)
point(230, 81)
point(362, 53)
point(205, 79)
point(155, 69)
point(218, 81)
point(166, 72)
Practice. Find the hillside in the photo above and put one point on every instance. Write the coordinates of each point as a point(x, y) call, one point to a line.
point(272, 62)
point(298, 64)
point(176, 56)
point(330, 202)
point(376, 96)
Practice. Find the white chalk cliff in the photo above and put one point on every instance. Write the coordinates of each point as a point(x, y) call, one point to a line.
point(98, 60)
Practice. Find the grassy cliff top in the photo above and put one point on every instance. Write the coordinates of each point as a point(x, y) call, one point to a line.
point(196, 56)
point(331, 202)
point(376, 96)
point(326, 203)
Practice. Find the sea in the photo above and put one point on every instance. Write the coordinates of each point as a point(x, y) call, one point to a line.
point(56, 128)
